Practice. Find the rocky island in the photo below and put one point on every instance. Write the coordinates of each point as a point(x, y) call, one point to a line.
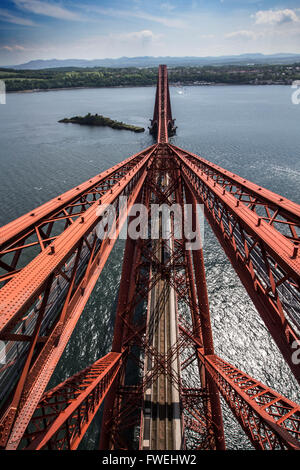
point(98, 120)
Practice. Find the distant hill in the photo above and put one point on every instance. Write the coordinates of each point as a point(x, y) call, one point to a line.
point(243, 59)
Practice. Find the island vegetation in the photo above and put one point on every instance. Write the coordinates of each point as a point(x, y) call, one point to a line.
point(98, 120)
point(47, 79)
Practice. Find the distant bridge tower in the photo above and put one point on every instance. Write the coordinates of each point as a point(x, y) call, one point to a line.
point(161, 127)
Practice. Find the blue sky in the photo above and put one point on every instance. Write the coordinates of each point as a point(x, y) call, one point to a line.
point(89, 29)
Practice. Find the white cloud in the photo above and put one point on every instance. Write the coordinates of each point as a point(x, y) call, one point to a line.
point(146, 34)
point(5, 15)
point(276, 17)
point(167, 6)
point(47, 9)
point(13, 48)
point(136, 39)
point(243, 34)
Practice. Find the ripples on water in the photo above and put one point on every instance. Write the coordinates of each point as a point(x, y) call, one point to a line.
point(253, 131)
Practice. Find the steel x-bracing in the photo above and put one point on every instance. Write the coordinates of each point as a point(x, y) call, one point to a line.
point(162, 379)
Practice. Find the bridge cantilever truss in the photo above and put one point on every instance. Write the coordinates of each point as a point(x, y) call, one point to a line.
point(50, 260)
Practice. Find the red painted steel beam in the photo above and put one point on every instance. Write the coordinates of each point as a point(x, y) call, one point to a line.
point(287, 209)
point(156, 105)
point(200, 315)
point(279, 246)
point(65, 412)
point(262, 257)
point(162, 123)
point(270, 420)
point(205, 324)
point(131, 258)
point(15, 228)
point(133, 289)
point(19, 295)
point(41, 226)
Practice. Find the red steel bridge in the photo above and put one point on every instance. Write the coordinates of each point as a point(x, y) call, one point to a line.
point(50, 260)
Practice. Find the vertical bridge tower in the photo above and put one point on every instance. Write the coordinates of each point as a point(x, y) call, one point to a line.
point(160, 384)
point(162, 124)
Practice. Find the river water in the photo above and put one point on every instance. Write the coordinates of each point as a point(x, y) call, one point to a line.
point(252, 131)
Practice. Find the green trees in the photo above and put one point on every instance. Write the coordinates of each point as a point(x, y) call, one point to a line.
point(102, 121)
point(18, 80)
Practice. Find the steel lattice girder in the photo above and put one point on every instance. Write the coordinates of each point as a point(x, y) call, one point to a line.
point(161, 363)
point(262, 257)
point(22, 239)
point(162, 123)
point(22, 298)
point(276, 208)
point(65, 412)
point(270, 420)
point(124, 336)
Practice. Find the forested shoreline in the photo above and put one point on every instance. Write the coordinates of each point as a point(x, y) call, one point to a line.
point(49, 79)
